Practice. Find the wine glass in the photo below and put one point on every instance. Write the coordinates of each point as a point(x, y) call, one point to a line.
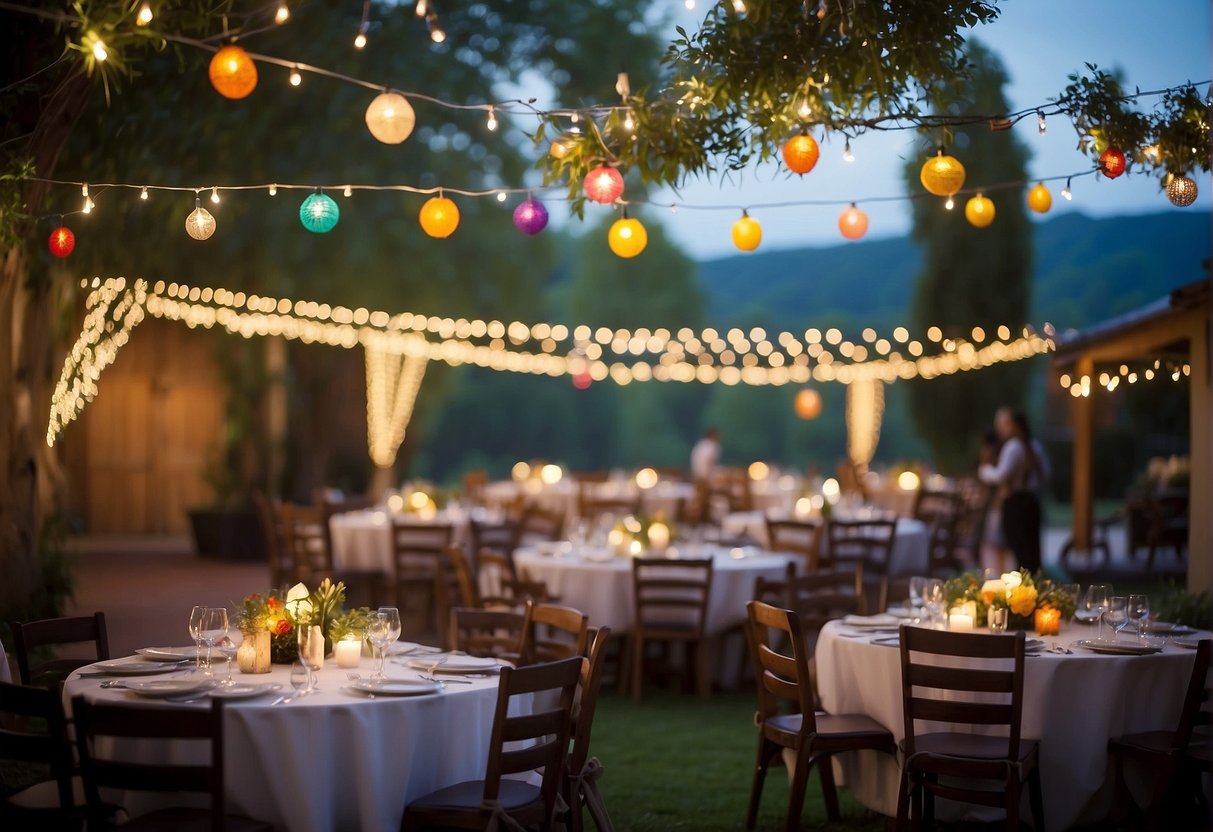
point(228, 648)
point(213, 631)
point(393, 620)
point(301, 674)
point(918, 585)
point(1092, 603)
point(1139, 613)
point(378, 633)
point(303, 637)
point(196, 635)
point(1116, 614)
point(932, 596)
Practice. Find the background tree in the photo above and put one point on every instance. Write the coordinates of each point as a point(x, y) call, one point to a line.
point(972, 276)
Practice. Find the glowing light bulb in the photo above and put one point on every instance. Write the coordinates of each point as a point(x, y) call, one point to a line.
point(950, 204)
point(436, 33)
point(847, 155)
point(215, 194)
point(143, 193)
point(296, 77)
point(88, 205)
point(349, 191)
point(422, 8)
point(145, 15)
point(99, 50)
point(629, 123)
point(360, 39)
point(690, 4)
point(84, 189)
point(273, 189)
point(1066, 193)
point(1040, 123)
point(739, 8)
point(492, 122)
point(282, 15)
point(501, 196)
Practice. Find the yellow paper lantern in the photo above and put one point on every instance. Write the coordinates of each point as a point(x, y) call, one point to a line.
point(1039, 199)
point(807, 404)
point(853, 223)
point(390, 118)
point(800, 153)
point(627, 237)
point(747, 233)
point(979, 211)
point(233, 72)
point(942, 175)
point(439, 217)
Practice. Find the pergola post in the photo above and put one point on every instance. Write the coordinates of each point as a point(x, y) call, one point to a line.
point(1082, 496)
point(1200, 493)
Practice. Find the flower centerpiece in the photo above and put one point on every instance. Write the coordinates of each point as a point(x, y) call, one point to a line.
point(1021, 593)
point(280, 616)
point(634, 536)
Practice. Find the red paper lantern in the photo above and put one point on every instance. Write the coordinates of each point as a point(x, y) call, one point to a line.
point(807, 404)
point(603, 184)
point(582, 380)
point(1112, 162)
point(62, 241)
point(800, 153)
point(853, 223)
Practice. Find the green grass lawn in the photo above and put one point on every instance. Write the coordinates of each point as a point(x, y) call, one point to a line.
point(674, 762)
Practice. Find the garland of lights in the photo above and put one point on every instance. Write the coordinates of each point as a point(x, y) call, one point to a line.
point(1080, 386)
point(392, 383)
point(620, 355)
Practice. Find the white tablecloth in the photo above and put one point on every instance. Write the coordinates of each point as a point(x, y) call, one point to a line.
point(362, 540)
point(1073, 704)
point(336, 761)
point(603, 589)
point(6, 675)
point(561, 497)
point(911, 544)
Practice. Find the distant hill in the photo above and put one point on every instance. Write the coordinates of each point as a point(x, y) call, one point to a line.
point(1086, 269)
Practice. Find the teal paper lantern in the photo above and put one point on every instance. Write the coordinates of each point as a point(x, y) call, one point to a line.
point(319, 213)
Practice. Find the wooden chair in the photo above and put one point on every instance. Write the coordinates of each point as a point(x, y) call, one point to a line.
point(506, 803)
point(474, 483)
point(1163, 753)
point(800, 537)
point(583, 772)
point(593, 509)
point(869, 542)
point(33, 732)
point(273, 536)
point(459, 586)
point(55, 632)
point(975, 500)
point(553, 632)
point(935, 667)
point(306, 535)
point(501, 537)
point(418, 577)
point(824, 596)
point(940, 511)
point(731, 486)
point(671, 599)
point(814, 737)
point(499, 634)
point(98, 723)
point(540, 524)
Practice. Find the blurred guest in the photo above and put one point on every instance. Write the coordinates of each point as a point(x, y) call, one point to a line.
point(994, 554)
point(705, 456)
point(1020, 474)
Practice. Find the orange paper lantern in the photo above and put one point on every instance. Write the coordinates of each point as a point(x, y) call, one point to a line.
point(800, 153)
point(747, 233)
point(942, 175)
point(853, 223)
point(233, 72)
point(62, 241)
point(1039, 199)
point(439, 217)
point(979, 211)
point(807, 404)
point(627, 237)
point(1112, 162)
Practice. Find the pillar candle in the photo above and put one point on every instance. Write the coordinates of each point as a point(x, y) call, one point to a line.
point(961, 622)
point(347, 652)
point(659, 537)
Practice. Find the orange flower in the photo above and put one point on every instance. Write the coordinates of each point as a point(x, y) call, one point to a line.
point(282, 627)
point(1023, 600)
point(273, 602)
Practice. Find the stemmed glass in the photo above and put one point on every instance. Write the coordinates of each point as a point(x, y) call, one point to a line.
point(303, 637)
point(378, 632)
point(1139, 613)
point(228, 648)
point(196, 615)
point(1092, 605)
point(1117, 615)
point(213, 631)
point(918, 585)
point(932, 596)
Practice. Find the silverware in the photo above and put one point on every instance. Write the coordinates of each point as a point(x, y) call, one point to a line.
point(444, 682)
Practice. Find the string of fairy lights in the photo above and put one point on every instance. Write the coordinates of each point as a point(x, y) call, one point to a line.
point(1157, 370)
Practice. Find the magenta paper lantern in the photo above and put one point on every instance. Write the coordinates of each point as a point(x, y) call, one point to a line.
point(531, 217)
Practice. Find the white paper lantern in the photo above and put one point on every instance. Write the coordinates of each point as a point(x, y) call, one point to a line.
point(390, 118)
point(200, 224)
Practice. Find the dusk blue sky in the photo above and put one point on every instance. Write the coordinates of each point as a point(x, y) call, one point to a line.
point(1041, 42)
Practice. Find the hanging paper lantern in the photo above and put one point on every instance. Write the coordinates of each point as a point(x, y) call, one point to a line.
point(439, 217)
point(1039, 199)
point(853, 223)
point(319, 213)
point(62, 241)
point(200, 224)
point(233, 72)
point(979, 211)
point(531, 217)
point(627, 237)
point(603, 184)
point(1181, 191)
point(747, 233)
point(807, 404)
point(800, 153)
point(390, 118)
point(942, 175)
point(1112, 162)
point(560, 148)
point(582, 380)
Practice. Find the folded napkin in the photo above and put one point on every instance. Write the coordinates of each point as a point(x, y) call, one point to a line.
point(879, 620)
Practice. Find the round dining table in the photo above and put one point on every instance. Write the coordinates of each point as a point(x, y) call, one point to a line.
point(599, 583)
point(335, 760)
point(362, 540)
point(1074, 701)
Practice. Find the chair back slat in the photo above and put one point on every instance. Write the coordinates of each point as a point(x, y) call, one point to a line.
point(501, 536)
point(672, 592)
point(54, 632)
point(539, 524)
point(966, 713)
point(587, 700)
point(532, 725)
point(488, 633)
point(951, 678)
point(801, 537)
point(782, 678)
point(528, 759)
point(1197, 695)
point(33, 729)
point(867, 541)
point(553, 632)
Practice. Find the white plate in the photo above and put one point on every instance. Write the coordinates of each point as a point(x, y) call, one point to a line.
point(167, 688)
point(131, 666)
point(883, 621)
point(241, 690)
point(454, 664)
point(1116, 648)
point(405, 648)
point(170, 654)
point(1186, 643)
point(1164, 628)
point(395, 687)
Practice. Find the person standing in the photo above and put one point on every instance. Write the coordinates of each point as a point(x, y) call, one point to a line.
point(1020, 474)
point(705, 456)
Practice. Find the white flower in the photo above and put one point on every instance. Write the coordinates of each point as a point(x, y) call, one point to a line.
point(297, 593)
point(297, 601)
point(1012, 581)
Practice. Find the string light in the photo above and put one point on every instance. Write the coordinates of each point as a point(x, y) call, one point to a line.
point(360, 39)
point(739, 8)
point(422, 8)
point(145, 15)
point(847, 155)
point(629, 123)
point(1066, 193)
point(348, 191)
point(273, 190)
point(437, 35)
point(215, 195)
point(364, 26)
point(296, 77)
point(282, 15)
point(491, 124)
point(1041, 126)
point(950, 203)
point(690, 4)
point(143, 193)
point(99, 50)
